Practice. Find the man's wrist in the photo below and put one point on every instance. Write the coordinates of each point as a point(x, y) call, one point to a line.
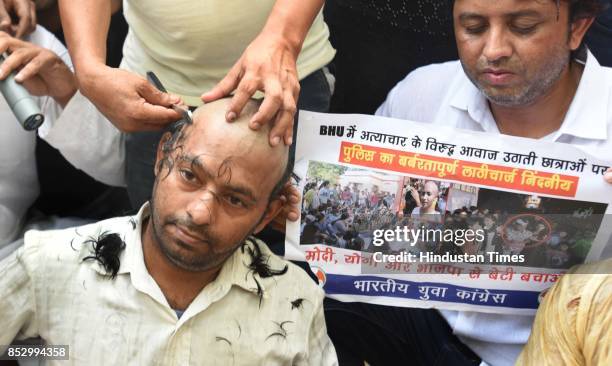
point(292, 20)
point(86, 73)
point(288, 37)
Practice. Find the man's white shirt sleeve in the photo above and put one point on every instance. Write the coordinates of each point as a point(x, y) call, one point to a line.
point(88, 141)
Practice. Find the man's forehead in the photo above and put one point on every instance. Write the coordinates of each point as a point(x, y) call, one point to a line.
point(246, 157)
point(201, 151)
point(228, 173)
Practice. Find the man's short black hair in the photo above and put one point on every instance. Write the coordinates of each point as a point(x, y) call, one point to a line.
point(579, 9)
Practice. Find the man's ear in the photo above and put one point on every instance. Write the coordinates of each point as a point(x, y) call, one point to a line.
point(160, 152)
point(274, 208)
point(579, 27)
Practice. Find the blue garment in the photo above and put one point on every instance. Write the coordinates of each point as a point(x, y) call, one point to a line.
point(324, 195)
point(329, 218)
point(320, 225)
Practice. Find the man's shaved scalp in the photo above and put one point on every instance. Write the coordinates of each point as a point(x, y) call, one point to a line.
point(177, 133)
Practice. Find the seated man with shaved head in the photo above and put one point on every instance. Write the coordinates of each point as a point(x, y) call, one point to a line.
point(183, 282)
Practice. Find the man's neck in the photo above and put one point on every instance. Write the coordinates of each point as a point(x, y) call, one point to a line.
point(179, 286)
point(546, 114)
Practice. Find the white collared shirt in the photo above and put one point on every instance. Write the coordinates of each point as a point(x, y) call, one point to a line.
point(47, 290)
point(441, 94)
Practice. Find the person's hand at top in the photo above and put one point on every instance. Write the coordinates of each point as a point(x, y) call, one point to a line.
point(24, 13)
point(38, 69)
point(269, 65)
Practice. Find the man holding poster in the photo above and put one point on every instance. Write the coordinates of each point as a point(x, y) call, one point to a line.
point(523, 71)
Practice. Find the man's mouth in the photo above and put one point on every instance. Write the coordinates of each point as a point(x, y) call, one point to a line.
point(498, 76)
point(184, 235)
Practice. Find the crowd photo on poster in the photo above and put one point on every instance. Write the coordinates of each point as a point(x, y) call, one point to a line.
point(343, 207)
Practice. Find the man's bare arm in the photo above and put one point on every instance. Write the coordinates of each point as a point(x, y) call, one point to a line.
point(86, 24)
point(292, 19)
point(126, 99)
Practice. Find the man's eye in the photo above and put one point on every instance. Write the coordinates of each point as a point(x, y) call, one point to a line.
point(187, 175)
point(475, 29)
point(524, 29)
point(235, 201)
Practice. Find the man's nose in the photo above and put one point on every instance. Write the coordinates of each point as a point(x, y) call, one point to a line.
point(202, 207)
point(497, 46)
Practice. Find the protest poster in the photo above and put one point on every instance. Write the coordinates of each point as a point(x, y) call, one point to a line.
point(409, 214)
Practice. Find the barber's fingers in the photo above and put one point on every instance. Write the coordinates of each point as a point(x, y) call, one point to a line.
point(149, 109)
point(153, 96)
point(288, 137)
point(291, 95)
point(149, 117)
point(293, 110)
point(272, 103)
point(225, 86)
point(248, 86)
point(283, 126)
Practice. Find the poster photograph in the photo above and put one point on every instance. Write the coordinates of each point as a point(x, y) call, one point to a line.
point(393, 214)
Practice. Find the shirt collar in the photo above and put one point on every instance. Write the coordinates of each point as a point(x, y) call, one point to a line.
point(468, 98)
point(585, 118)
point(133, 257)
